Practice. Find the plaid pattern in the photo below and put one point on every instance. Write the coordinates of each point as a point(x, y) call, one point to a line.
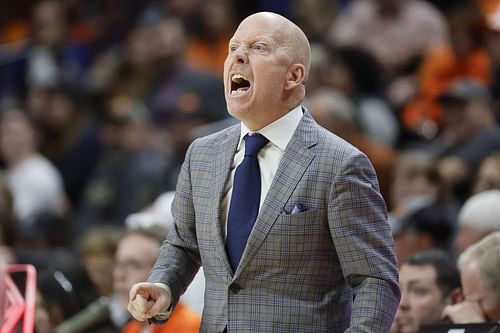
point(328, 268)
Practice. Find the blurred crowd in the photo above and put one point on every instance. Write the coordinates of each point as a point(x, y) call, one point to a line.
point(99, 100)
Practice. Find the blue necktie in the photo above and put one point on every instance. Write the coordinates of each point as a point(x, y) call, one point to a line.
point(245, 199)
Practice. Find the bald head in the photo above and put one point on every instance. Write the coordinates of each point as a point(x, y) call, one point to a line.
point(288, 34)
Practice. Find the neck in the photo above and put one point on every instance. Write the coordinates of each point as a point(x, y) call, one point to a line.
point(18, 158)
point(255, 125)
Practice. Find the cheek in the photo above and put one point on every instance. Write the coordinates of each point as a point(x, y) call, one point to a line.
point(490, 305)
point(269, 79)
point(427, 308)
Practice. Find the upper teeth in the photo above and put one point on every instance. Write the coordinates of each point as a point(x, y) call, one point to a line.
point(237, 76)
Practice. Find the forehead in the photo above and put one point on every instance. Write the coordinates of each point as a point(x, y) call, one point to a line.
point(135, 245)
point(470, 276)
point(417, 273)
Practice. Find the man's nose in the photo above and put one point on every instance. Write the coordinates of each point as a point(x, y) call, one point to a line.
point(404, 302)
point(240, 56)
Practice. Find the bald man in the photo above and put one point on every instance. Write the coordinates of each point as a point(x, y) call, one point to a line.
point(303, 245)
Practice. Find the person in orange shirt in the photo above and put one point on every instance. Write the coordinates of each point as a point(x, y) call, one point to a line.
point(207, 50)
point(463, 58)
point(135, 256)
point(183, 320)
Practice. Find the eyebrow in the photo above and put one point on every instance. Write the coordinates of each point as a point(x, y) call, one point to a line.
point(258, 38)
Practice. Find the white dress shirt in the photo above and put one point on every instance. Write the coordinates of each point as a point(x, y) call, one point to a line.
point(279, 133)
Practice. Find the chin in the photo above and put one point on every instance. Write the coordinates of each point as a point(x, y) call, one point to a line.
point(237, 111)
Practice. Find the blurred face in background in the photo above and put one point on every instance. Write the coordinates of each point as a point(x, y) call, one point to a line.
point(422, 301)
point(138, 53)
point(476, 290)
point(411, 180)
point(17, 136)
point(49, 23)
point(218, 16)
point(488, 175)
point(100, 270)
point(135, 257)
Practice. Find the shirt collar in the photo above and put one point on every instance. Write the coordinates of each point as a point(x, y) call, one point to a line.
point(280, 131)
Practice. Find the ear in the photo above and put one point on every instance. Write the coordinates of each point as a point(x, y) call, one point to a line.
point(296, 76)
point(455, 296)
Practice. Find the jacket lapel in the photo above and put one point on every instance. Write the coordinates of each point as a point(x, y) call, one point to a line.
point(296, 159)
point(224, 153)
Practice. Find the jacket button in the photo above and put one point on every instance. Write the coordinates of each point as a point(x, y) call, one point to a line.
point(235, 288)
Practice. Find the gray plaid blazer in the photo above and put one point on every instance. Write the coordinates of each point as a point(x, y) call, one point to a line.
point(328, 268)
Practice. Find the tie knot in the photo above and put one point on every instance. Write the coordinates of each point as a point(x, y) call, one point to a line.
point(254, 143)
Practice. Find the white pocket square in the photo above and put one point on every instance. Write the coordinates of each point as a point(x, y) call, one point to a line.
point(297, 209)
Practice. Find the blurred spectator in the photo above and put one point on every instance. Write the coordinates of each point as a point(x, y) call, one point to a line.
point(463, 58)
point(480, 273)
point(335, 112)
point(488, 175)
point(135, 257)
point(45, 243)
point(130, 172)
point(61, 294)
point(469, 129)
point(477, 218)
point(179, 98)
point(470, 133)
point(492, 44)
point(429, 227)
point(416, 183)
point(49, 58)
point(358, 75)
point(132, 73)
point(35, 183)
point(68, 134)
point(314, 17)
point(46, 231)
point(96, 250)
point(395, 31)
point(429, 281)
point(207, 50)
point(187, 11)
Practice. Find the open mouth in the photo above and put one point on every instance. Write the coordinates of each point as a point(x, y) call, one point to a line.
point(239, 84)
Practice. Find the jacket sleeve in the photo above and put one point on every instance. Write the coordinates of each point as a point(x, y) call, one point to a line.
point(178, 258)
point(362, 236)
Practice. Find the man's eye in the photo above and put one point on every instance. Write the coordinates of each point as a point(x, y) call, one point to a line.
point(419, 291)
point(232, 48)
point(258, 47)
